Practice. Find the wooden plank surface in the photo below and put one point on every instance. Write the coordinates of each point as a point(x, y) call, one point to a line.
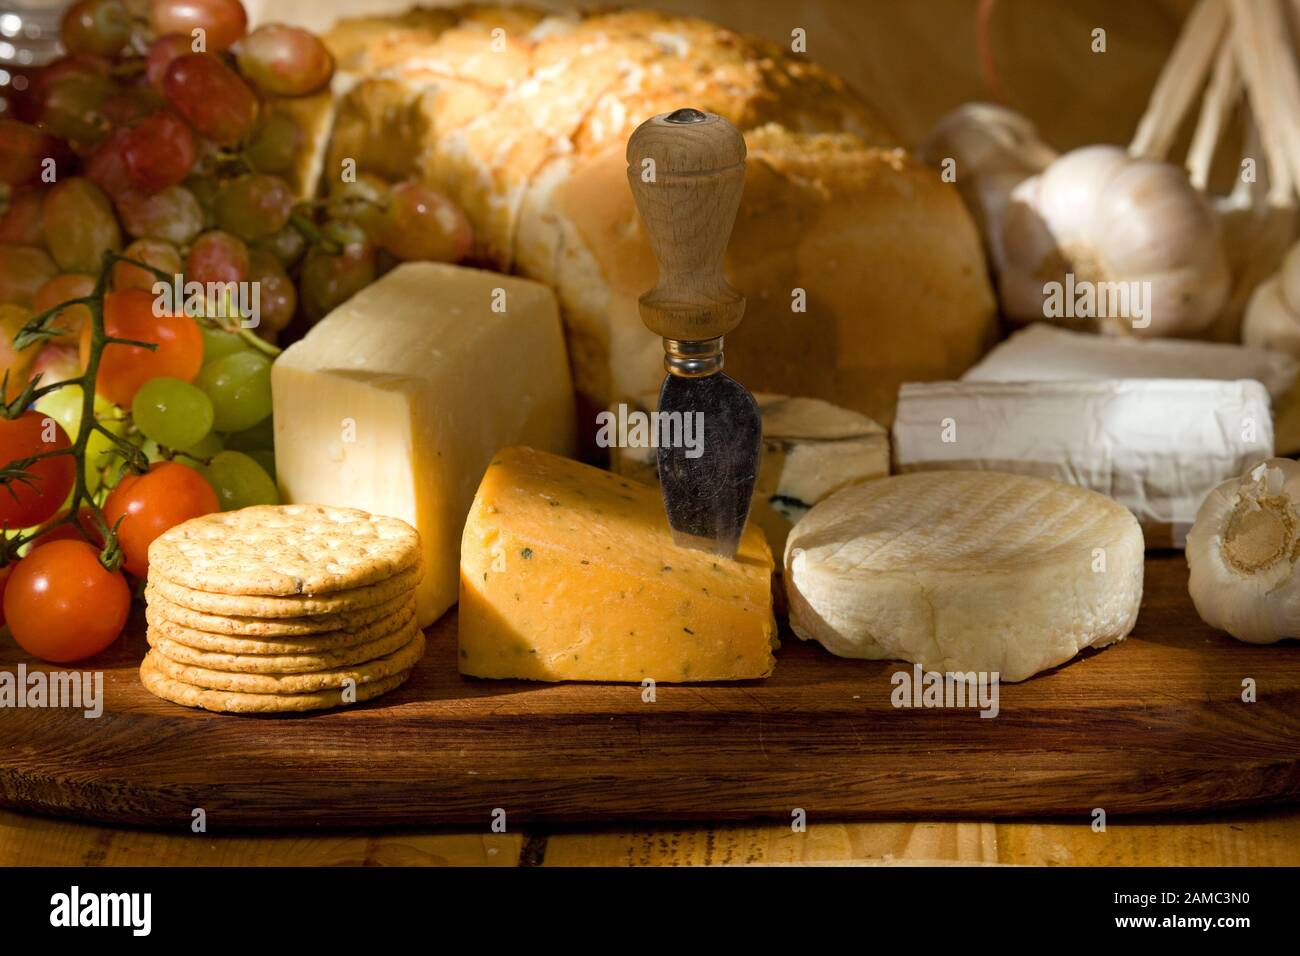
point(1153, 725)
point(1240, 839)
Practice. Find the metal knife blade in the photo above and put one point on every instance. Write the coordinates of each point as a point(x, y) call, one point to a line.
point(707, 497)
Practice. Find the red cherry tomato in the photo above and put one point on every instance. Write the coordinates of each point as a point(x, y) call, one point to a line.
point(154, 502)
point(62, 605)
point(4, 583)
point(128, 314)
point(27, 503)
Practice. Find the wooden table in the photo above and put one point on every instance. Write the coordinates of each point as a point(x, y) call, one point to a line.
point(1255, 839)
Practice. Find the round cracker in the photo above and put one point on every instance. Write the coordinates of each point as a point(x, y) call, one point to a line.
point(404, 658)
point(228, 702)
point(279, 550)
point(303, 605)
point(303, 662)
point(250, 635)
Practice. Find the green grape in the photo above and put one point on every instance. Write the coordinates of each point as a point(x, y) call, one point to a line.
point(204, 189)
point(218, 343)
point(196, 456)
point(362, 201)
point(74, 107)
point(276, 143)
point(79, 225)
point(287, 245)
point(266, 458)
point(254, 205)
point(240, 388)
point(240, 481)
point(261, 437)
point(173, 413)
point(205, 450)
point(64, 406)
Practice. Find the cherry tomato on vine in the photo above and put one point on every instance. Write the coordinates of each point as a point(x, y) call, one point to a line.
point(62, 605)
point(128, 314)
point(4, 583)
point(152, 503)
point(27, 503)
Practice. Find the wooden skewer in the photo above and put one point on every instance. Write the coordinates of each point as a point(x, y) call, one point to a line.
point(1253, 59)
point(1180, 80)
point(1220, 98)
point(1283, 75)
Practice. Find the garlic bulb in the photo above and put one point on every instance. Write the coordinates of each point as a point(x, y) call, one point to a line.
point(992, 149)
point(1135, 248)
point(1273, 315)
point(1242, 552)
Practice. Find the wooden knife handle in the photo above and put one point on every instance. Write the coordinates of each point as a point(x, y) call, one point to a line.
point(687, 170)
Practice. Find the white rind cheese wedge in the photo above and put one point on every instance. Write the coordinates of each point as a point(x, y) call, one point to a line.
point(811, 448)
point(1044, 353)
point(965, 571)
point(1157, 446)
point(396, 401)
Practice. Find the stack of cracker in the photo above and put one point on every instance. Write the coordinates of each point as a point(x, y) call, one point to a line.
point(280, 608)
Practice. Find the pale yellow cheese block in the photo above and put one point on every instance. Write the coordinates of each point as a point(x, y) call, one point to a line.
point(569, 572)
point(395, 402)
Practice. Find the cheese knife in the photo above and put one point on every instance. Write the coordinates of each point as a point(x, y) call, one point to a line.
point(687, 170)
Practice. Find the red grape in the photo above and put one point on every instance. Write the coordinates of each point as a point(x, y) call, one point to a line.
point(23, 149)
point(158, 253)
point(64, 288)
point(211, 97)
point(217, 257)
point(105, 166)
point(79, 225)
point(285, 61)
point(102, 27)
point(23, 270)
point(277, 297)
point(223, 21)
point(21, 222)
point(329, 280)
point(76, 64)
point(172, 214)
point(159, 151)
point(161, 53)
point(423, 224)
point(128, 104)
point(254, 205)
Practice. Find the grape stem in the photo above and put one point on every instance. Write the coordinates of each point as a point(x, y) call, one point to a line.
point(39, 328)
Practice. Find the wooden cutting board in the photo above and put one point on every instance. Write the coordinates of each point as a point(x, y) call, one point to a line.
point(1155, 724)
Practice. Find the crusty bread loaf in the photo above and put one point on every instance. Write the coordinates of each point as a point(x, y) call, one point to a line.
point(523, 118)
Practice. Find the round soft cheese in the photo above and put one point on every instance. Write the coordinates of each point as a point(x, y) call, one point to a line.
point(963, 571)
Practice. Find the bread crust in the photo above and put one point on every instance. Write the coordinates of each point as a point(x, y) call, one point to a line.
point(522, 119)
